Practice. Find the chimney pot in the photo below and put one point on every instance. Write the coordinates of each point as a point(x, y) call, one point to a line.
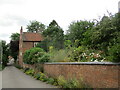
point(21, 30)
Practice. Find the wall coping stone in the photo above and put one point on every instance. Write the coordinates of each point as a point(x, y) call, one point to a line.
point(85, 63)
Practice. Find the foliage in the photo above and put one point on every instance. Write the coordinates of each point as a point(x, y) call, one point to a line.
point(62, 82)
point(14, 45)
point(77, 29)
point(71, 83)
point(18, 66)
point(43, 45)
point(43, 77)
point(25, 57)
point(25, 69)
point(4, 51)
point(59, 55)
point(1, 67)
point(76, 53)
point(15, 36)
point(74, 83)
point(14, 49)
point(35, 55)
point(36, 27)
point(43, 58)
point(37, 75)
point(39, 67)
point(50, 81)
point(114, 53)
point(101, 36)
point(30, 72)
point(54, 35)
point(82, 54)
point(68, 43)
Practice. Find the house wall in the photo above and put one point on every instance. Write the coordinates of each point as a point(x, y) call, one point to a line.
point(27, 46)
point(95, 75)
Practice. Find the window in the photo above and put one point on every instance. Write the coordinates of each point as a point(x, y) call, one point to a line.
point(35, 43)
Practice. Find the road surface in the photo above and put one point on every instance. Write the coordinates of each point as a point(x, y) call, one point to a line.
point(14, 78)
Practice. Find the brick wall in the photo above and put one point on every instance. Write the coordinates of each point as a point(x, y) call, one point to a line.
point(20, 47)
point(27, 46)
point(97, 75)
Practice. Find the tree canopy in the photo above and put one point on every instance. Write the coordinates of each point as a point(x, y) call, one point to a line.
point(35, 27)
point(54, 35)
point(15, 36)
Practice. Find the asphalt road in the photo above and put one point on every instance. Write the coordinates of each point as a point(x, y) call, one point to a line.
point(14, 78)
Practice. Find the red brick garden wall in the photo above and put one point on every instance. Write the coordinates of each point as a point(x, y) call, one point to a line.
point(95, 75)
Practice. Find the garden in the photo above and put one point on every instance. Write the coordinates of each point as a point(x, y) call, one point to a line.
point(85, 41)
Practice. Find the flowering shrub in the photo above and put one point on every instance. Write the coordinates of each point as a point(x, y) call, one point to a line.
point(82, 54)
point(76, 54)
point(93, 57)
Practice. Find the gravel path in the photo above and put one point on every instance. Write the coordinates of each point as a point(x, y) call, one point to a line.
point(14, 78)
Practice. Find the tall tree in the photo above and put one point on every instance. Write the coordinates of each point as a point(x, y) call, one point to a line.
point(54, 35)
point(77, 29)
point(35, 27)
point(5, 51)
point(14, 45)
point(15, 36)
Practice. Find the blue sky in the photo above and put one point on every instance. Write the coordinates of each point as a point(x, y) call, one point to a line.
point(17, 13)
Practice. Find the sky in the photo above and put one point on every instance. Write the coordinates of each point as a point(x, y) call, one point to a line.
point(17, 13)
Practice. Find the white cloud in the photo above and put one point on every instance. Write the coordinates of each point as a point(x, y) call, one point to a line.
point(2, 2)
point(17, 13)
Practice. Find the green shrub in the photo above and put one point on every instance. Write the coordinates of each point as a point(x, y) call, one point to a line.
point(71, 83)
point(25, 57)
point(50, 81)
point(39, 67)
point(62, 82)
point(35, 55)
point(44, 58)
point(76, 55)
point(30, 72)
point(43, 77)
point(55, 82)
point(74, 83)
point(59, 55)
point(37, 75)
point(25, 69)
point(114, 53)
point(1, 67)
point(18, 66)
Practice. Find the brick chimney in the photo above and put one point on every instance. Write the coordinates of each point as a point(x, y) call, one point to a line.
point(21, 47)
point(21, 30)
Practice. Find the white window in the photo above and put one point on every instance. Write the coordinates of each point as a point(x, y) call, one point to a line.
point(35, 43)
point(20, 53)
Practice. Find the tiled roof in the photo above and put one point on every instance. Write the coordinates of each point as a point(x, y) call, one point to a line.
point(28, 36)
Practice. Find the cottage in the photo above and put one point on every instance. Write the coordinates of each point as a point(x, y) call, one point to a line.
point(27, 40)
